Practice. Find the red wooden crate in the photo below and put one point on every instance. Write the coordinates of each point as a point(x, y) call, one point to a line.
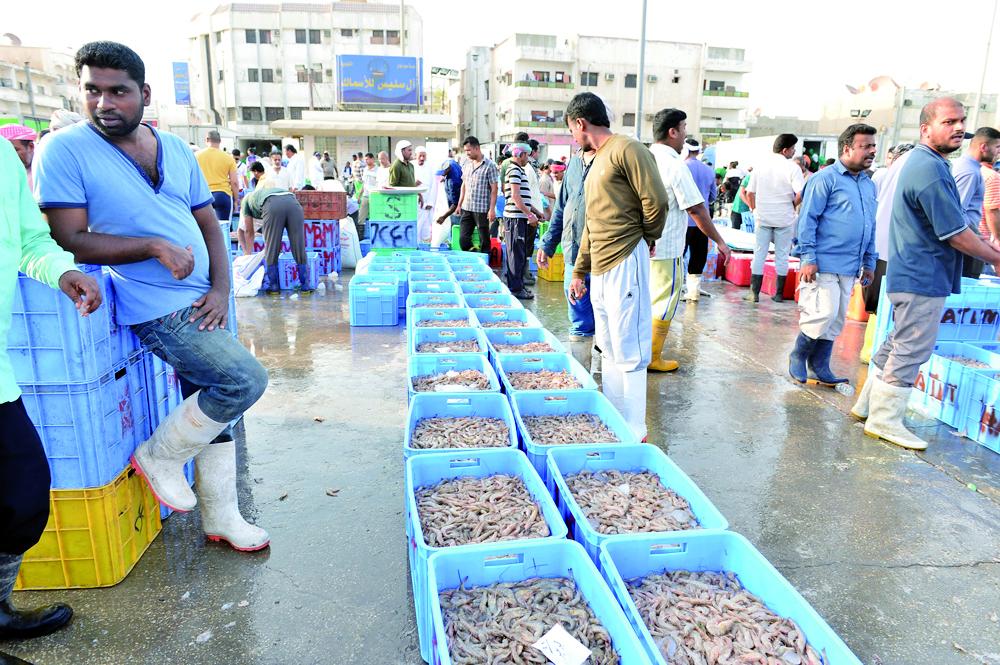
point(322, 205)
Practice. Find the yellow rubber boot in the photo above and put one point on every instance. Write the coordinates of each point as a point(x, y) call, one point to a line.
point(660, 330)
point(866, 348)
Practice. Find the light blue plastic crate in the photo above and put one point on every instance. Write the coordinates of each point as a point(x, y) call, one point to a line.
point(322, 233)
point(163, 388)
point(492, 301)
point(288, 271)
point(500, 316)
point(479, 275)
point(495, 563)
point(425, 470)
point(564, 403)
point(165, 511)
point(365, 246)
point(231, 318)
point(424, 264)
point(49, 342)
point(716, 551)
point(123, 341)
point(427, 317)
point(428, 364)
point(435, 287)
point(536, 362)
point(980, 420)
point(429, 276)
point(636, 459)
point(436, 259)
point(492, 286)
point(89, 430)
point(518, 336)
point(469, 405)
point(442, 337)
point(459, 258)
point(966, 318)
point(942, 384)
point(374, 300)
point(446, 300)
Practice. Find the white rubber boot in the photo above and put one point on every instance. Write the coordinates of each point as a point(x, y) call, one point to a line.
point(160, 459)
point(581, 347)
point(693, 288)
point(860, 409)
point(886, 408)
point(215, 480)
point(595, 362)
point(634, 399)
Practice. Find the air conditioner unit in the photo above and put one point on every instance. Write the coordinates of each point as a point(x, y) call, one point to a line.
point(649, 116)
point(651, 78)
point(609, 77)
point(329, 73)
point(326, 33)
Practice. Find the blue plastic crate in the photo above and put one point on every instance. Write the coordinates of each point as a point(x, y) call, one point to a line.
point(424, 470)
point(123, 341)
point(426, 316)
point(231, 318)
point(469, 405)
point(419, 264)
point(490, 564)
point(564, 403)
point(434, 300)
point(478, 275)
point(520, 315)
point(716, 551)
point(374, 300)
point(427, 364)
point(49, 342)
point(496, 336)
point(980, 418)
point(442, 337)
point(492, 301)
point(163, 388)
point(321, 233)
point(562, 462)
point(458, 258)
point(941, 384)
point(288, 271)
point(165, 511)
point(428, 276)
point(89, 430)
point(365, 246)
point(434, 287)
point(436, 259)
point(536, 362)
point(492, 286)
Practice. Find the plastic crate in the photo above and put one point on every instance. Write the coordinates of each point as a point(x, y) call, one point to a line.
point(331, 260)
point(419, 315)
point(395, 234)
point(555, 270)
point(470, 405)
point(497, 253)
point(163, 388)
point(501, 562)
point(435, 287)
point(966, 320)
point(458, 258)
point(442, 337)
point(641, 457)
point(497, 315)
point(738, 269)
point(496, 336)
point(436, 259)
point(941, 384)
point(89, 430)
point(434, 363)
point(322, 205)
point(402, 270)
point(423, 264)
point(434, 300)
point(93, 537)
point(492, 301)
point(365, 246)
point(536, 362)
point(322, 234)
point(769, 285)
point(564, 403)
point(424, 470)
point(49, 342)
point(717, 551)
point(374, 300)
point(288, 271)
point(492, 286)
point(123, 341)
point(455, 230)
point(980, 421)
point(474, 275)
point(428, 276)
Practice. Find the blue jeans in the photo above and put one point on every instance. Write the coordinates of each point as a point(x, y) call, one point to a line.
point(581, 315)
point(230, 379)
point(223, 205)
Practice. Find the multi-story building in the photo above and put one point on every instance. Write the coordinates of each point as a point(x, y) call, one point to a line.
point(252, 65)
point(34, 83)
point(525, 82)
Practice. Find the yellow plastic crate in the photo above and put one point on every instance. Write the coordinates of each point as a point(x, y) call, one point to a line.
point(94, 536)
point(554, 273)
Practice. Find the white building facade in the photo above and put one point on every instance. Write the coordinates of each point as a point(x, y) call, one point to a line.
point(34, 83)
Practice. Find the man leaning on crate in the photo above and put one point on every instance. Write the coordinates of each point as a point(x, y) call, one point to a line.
point(119, 193)
point(25, 244)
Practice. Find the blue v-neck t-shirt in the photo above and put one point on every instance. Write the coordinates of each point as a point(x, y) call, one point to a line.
point(77, 167)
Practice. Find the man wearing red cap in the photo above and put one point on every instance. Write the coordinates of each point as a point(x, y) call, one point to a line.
point(23, 139)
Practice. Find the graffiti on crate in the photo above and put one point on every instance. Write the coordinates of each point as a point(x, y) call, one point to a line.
point(392, 234)
point(988, 421)
point(971, 315)
point(936, 388)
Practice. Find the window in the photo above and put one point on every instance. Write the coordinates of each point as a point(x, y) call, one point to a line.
point(220, 75)
point(300, 36)
point(314, 37)
point(392, 36)
point(251, 36)
point(538, 41)
point(539, 75)
point(301, 75)
point(267, 75)
point(588, 78)
point(346, 32)
point(264, 36)
point(378, 37)
point(218, 37)
point(231, 115)
point(295, 112)
point(274, 113)
point(715, 85)
point(317, 74)
point(720, 53)
point(250, 113)
point(628, 119)
point(630, 80)
point(253, 75)
point(560, 77)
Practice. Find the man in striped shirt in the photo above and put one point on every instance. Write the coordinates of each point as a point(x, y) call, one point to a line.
point(519, 212)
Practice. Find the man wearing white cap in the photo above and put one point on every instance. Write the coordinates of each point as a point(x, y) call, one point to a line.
point(23, 139)
point(401, 172)
point(424, 174)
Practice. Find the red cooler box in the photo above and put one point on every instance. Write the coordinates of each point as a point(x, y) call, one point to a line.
point(770, 284)
point(738, 269)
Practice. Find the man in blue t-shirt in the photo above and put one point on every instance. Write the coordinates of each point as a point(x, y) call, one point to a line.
point(117, 192)
point(927, 238)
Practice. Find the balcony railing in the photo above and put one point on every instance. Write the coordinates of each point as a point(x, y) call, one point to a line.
point(539, 123)
point(543, 84)
point(724, 93)
point(723, 130)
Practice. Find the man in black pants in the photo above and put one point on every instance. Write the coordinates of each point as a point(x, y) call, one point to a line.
point(519, 214)
point(478, 198)
point(25, 244)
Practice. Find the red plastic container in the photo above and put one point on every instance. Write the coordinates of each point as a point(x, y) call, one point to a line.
point(738, 269)
point(770, 284)
point(496, 253)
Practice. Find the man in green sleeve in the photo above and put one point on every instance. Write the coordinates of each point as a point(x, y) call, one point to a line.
point(401, 172)
point(25, 244)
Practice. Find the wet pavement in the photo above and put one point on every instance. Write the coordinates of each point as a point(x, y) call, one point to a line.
point(893, 548)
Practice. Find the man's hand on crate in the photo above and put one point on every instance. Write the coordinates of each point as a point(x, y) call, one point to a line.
point(82, 290)
point(213, 310)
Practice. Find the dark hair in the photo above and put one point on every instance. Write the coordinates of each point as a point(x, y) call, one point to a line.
point(534, 144)
point(846, 137)
point(784, 142)
point(985, 134)
point(308, 188)
point(257, 167)
point(111, 55)
point(236, 152)
point(589, 107)
point(290, 147)
point(368, 154)
point(521, 137)
point(733, 165)
point(666, 120)
point(471, 140)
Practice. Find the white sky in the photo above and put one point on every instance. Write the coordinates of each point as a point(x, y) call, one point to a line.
point(803, 51)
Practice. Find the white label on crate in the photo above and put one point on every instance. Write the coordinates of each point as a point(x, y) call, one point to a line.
point(562, 648)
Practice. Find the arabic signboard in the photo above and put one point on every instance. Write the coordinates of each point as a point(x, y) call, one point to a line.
point(377, 79)
point(182, 84)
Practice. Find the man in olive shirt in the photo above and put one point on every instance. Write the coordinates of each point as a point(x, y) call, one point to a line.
point(626, 210)
point(401, 172)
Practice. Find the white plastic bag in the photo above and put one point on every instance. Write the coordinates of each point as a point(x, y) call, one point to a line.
point(248, 274)
point(350, 247)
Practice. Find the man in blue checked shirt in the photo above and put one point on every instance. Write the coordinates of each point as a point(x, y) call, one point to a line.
point(836, 232)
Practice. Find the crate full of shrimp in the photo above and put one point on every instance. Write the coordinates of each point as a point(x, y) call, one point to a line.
point(441, 423)
point(447, 340)
point(451, 373)
point(542, 371)
point(457, 501)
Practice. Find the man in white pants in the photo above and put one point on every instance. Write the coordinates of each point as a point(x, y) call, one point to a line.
point(425, 176)
point(775, 189)
point(626, 209)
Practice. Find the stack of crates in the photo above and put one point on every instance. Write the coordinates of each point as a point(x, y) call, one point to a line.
point(392, 220)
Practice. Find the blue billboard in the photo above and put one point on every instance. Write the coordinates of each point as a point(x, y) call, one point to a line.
point(182, 84)
point(379, 79)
